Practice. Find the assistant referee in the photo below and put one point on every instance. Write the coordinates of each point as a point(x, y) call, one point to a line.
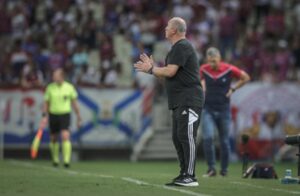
point(59, 97)
point(184, 96)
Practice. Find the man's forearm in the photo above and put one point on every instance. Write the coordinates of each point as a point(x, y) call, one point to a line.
point(167, 71)
point(76, 108)
point(239, 84)
point(45, 109)
point(161, 72)
point(243, 80)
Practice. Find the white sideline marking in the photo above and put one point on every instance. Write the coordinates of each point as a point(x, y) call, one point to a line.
point(139, 182)
point(95, 175)
point(262, 187)
point(132, 180)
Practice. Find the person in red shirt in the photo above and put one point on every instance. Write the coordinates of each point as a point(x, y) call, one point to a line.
point(216, 77)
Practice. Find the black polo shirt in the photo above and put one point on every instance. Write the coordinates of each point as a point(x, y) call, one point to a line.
point(184, 88)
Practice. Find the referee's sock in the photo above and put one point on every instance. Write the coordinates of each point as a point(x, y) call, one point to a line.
point(67, 151)
point(54, 148)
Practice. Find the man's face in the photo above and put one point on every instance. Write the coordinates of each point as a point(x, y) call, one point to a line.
point(169, 30)
point(57, 76)
point(213, 61)
point(271, 118)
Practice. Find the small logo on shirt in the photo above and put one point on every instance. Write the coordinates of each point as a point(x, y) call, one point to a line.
point(224, 80)
point(184, 112)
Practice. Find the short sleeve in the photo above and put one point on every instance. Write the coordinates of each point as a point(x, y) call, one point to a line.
point(236, 72)
point(47, 94)
point(178, 55)
point(74, 94)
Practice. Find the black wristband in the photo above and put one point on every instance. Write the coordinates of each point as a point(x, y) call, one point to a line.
point(44, 114)
point(233, 89)
point(150, 71)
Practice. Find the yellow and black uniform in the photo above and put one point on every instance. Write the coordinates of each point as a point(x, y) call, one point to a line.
point(59, 98)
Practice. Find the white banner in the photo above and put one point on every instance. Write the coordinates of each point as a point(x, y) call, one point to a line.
point(110, 117)
point(255, 101)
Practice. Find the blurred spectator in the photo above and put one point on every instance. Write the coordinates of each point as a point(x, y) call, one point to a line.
point(109, 75)
point(18, 59)
point(266, 62)
point(41, 58)
point(262, 8)
point(57, 58)
point(29, 45)
point(228, 31)
point(51, 31)
point(148, 26)
point(266, 136)
point(250, 53)
point(89, 31)
point(244, 12)
point(106, 49)
point(31, 76)
point(183, 10)
point(5, 19)
point(79, 59)
point(19, 21)
point(88, 77)
point(201, 29)
point(296, 15)
point(283, 59)
point(274, 24)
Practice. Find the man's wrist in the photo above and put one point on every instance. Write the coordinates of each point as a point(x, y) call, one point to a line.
point(150, 71)
point(233, 89)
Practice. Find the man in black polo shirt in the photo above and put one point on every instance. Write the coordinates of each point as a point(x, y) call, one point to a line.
point(184, 96)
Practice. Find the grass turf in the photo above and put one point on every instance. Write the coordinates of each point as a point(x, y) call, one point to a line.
point(37, 178)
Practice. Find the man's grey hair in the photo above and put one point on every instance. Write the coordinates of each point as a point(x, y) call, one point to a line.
point(179, 24)
point(213, 52)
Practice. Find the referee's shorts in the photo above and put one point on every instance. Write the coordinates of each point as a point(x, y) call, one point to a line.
point(58, 122)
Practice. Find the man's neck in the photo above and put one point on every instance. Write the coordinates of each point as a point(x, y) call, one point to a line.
point(59, 83)
point(215, 67)
point(177, 38)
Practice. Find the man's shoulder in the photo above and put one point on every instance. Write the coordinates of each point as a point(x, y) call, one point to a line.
point(50, 85)
point(68, 84)
point(184, 43)
point(225, 65)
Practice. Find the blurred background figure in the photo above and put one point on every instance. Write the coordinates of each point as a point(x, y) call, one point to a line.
point(31, 76)
point(216, 79)
point(267, 136)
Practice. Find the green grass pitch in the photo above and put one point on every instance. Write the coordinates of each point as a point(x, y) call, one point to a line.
point(36, 178)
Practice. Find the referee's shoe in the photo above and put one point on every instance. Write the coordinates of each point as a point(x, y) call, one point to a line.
point(186, 180)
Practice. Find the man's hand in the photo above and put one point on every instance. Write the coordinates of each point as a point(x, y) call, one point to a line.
point(144, 64)
point(229, 93)
point(44, 122)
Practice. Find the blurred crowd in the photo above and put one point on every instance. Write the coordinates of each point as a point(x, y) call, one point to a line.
point(97, 41)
